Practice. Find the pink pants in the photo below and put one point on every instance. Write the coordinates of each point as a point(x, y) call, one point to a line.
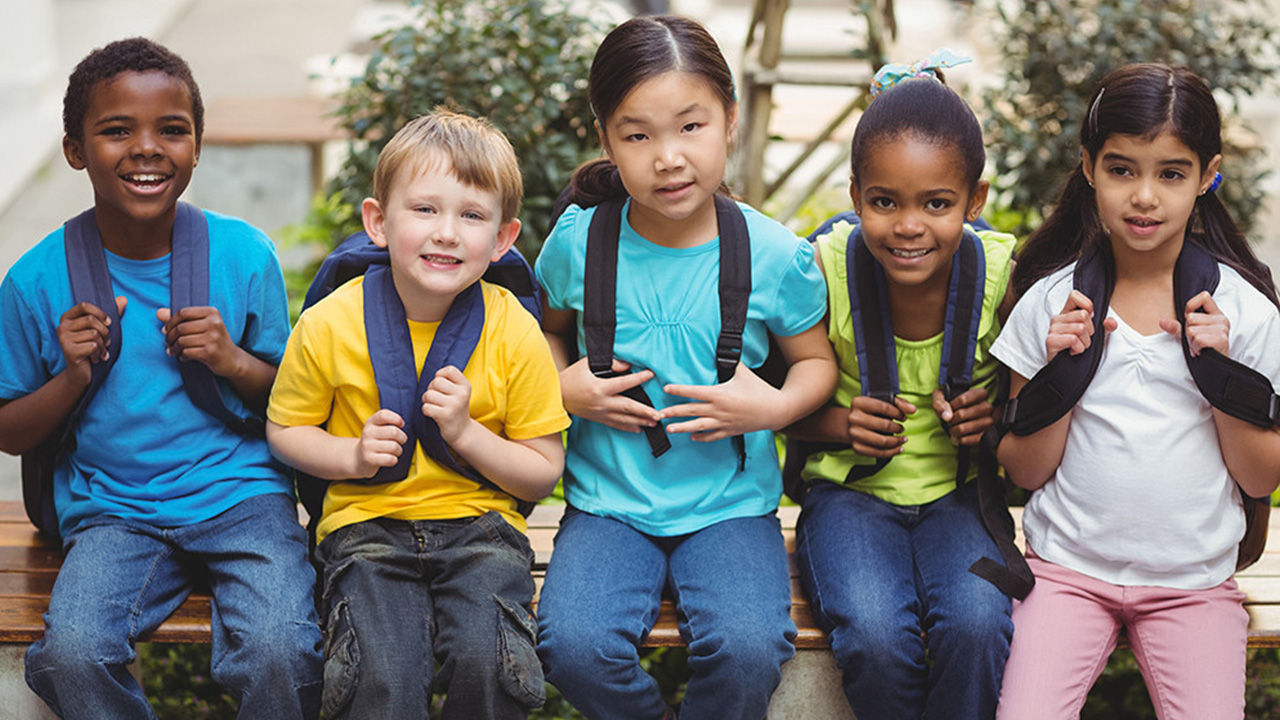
point(1190, 646)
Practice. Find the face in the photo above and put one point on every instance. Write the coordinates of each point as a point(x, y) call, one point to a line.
point(913, 200)
point(441, 235)
point(139, 147)
point(670, 139)
point(1146, 190)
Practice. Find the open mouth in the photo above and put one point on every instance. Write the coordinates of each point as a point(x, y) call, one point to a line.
point(145, 181)
point(909, 254)
point(442, 260)
point(1143, 222)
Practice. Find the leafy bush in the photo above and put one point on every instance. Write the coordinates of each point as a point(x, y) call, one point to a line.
point(522, 64)
point(1054, 55)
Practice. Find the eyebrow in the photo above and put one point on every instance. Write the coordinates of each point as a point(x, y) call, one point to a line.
point(630, 119)
point(1179, 162)
point(129, 118)
point(933, 192)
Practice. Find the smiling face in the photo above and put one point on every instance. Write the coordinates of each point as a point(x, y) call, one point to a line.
point(1146, 190)
point(913, 199)
point(441, 234)
point(670, 139)
point(139, 149)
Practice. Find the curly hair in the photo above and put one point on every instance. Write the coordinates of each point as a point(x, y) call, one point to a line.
point(130, 55)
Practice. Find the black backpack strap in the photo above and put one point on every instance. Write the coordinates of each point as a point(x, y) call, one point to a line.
point(189, 287)
point(735, 293)
point(1056, 388)
point(600, 308)
point(1014, 578)
point(1234, 388)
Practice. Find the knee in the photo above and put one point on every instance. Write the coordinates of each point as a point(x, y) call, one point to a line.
point(77, 644)
point(975, 629)
point(288, 650)
point(753, 652)
point(580, 648)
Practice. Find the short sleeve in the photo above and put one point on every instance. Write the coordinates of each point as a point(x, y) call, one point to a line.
point(22, 368)
point(1255, 326)
point(534, 404)
point(801, 297)
point(302, 393)
point(562, 253)
point(1020, 345)
point(267, 319)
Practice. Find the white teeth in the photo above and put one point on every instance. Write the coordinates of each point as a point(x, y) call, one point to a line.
point(442, 259)
point(145, 178)
point(908, 253)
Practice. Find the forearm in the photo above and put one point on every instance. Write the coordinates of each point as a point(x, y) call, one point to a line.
point(1252, 453)
point(828, 424)
point(527, 469)
point(811, 376)
point(314, 451)
point(251, 380)
point(1031, 460)
point(27, 421)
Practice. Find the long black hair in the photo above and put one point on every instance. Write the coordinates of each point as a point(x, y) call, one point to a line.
point(1142, 100)
point(633, 52)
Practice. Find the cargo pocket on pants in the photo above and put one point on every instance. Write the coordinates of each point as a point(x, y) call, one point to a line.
point(341, 661)
point(521, 671)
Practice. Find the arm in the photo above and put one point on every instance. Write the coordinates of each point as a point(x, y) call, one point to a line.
point(746, 403)
point(27, 421)
point(590, 397)
point(198, 334)
point(315, 451)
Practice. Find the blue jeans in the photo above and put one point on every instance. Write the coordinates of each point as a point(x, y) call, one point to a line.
point(601, 596)
point(121, 578)
point(398, 595)
point(879, 575)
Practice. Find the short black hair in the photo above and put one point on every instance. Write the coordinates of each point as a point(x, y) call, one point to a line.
point(926, 110)
point(129, 55)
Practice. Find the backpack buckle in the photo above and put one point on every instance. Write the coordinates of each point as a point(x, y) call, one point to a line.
point(1010, 413)
point(728, 350)
point(1274, 411)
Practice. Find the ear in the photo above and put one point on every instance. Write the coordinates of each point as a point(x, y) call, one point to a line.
point(73, 152)
point(507, 234)
point(977, 201)
point(732, 125)
point(196, 160)
point(373, 217)
point(1086, 164)
point(855, 194)
point(1206, 177)
point(604, 140)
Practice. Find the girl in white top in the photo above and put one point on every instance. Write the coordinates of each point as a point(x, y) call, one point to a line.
point(1137, 512)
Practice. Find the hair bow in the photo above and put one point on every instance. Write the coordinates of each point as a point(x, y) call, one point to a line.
point(893, 73)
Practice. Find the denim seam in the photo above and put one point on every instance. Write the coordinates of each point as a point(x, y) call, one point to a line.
point(136, 609)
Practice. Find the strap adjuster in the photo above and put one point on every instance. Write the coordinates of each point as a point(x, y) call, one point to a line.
point(1010, 413)
point(1274, 411)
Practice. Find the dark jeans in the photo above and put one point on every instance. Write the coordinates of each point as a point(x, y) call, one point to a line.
point(400, 595)
point(122, 578)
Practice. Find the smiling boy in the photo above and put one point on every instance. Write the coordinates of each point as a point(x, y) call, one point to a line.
point(434, 565)
point(154, 494)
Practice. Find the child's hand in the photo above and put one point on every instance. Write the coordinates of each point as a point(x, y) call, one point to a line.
point(381, 442)
point(1207, 326)
point(967, 416)
point(448, 402)
point(85, 338)
point(599, 399)
point(197, 333)
point(875, 426)
point(744, 404)
point(1072, 329)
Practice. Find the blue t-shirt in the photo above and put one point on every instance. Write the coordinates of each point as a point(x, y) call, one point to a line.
point(143, 450)
point(668, 311)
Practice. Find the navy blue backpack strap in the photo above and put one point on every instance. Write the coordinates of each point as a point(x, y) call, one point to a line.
point(735, 294)
point(872, 333)
point(600, 308)
point(1057, 387)
point(1232, 387)
point(189, 287)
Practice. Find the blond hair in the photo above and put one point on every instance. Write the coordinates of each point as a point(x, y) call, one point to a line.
point(478, 154)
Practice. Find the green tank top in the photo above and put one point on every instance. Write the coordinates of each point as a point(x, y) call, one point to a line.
point(926, 469)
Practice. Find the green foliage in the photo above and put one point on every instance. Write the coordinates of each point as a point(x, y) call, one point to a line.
point(523, 64)
point(305, 245)
point(176, 679)
point(1054, 55)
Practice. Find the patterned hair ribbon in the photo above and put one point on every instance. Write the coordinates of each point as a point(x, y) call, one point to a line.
point(893, 73)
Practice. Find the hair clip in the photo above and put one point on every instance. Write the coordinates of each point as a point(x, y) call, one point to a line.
point(1217, 180)
point(1093, 113)
point(891, 74)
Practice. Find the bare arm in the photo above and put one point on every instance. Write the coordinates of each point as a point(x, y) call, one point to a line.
point(315, 451)
point(197, 334)
point(1031, 460)
point(1252, 453)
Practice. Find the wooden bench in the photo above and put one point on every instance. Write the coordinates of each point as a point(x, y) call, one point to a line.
point(29, 564)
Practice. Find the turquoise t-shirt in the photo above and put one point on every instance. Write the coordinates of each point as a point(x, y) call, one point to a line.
point(668, 310)
point(143, 450)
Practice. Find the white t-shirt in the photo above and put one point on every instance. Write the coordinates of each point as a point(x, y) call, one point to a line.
point(1142, 496)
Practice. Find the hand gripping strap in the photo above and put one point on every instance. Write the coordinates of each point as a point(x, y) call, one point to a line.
point(600, 308)
point(1053, 391)
point(189, 287)
point(1234, 388)
point(872, 333)
point(90, 282)
point(735, 294)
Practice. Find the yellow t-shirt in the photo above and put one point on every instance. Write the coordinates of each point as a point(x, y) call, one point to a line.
point(326, 379)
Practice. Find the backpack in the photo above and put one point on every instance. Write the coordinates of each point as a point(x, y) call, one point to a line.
point(1230, 386)
point(878, 371)
point(599, 314)
point(400, 384)
point(91, 282)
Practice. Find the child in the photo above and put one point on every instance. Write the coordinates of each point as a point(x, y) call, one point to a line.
point(435, 565)
point(156, 494)
point(884, 551)
point(1137, 515)
point(700, 519)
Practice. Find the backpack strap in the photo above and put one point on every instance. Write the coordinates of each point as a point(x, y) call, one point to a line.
point(600, 308)
point(872, 333)
point(401, 386)
point(1057, 387)
point(1234, 388)
point(735, 294)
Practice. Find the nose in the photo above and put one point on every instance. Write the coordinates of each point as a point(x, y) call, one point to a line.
point(446, 231)
point(908, 225)
point(146, 143)
point(670, 156)
point(1144, 193)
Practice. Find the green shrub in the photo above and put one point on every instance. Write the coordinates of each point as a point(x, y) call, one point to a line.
point(522, 64)
point(1054, 55)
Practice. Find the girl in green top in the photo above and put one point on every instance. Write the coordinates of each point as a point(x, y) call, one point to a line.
point(884, 554)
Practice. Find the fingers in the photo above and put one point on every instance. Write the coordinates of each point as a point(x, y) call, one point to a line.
point(622, 383)
point(83, 333)
point(1072, 329)
point(875, 429)
point(941, 406)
